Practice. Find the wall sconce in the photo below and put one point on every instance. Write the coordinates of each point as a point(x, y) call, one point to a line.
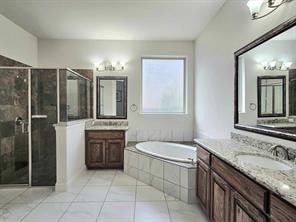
point(256, 5)
point(108, 66)
point(277, 65)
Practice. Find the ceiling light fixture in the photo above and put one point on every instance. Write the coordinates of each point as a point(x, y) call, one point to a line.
point(256, 5)
point(277, 65)
point(108, 66)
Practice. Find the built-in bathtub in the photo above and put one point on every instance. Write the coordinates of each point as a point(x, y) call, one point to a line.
point(169, 167)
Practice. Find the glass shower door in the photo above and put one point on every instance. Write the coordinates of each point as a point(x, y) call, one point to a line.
point(14, 131)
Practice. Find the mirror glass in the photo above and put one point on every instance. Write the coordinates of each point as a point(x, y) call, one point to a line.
point(78, 96)
point(111, 98)
point(267, 84)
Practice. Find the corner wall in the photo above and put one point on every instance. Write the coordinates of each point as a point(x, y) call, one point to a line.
point(230, 30)
point(17, 44)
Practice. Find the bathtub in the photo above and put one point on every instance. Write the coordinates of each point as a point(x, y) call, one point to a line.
point(169, 167)
point(169, 151)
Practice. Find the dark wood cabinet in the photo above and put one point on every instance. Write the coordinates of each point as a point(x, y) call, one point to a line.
point(226, 194)
point(115, 153)
point(104, 149)
point(243, 211)
point(220, 196)
point(203, 185)
point(95, 153)
point(281, 211)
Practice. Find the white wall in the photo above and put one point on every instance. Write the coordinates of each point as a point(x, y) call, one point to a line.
point(70, 143)
point(16, 43)
point(230, 30)
point(84, 53)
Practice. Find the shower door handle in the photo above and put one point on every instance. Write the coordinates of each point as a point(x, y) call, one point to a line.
point(22, 123)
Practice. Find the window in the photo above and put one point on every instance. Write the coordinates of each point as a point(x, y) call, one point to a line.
point(163, 85)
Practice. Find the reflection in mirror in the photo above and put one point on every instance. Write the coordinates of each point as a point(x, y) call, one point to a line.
point(111, 100)
point(271, 96)
point(267, 78)
point(78, 96)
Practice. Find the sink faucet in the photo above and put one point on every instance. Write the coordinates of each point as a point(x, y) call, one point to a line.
point(275, 151)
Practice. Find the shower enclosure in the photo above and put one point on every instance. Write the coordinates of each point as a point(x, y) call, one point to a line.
point(29, 108)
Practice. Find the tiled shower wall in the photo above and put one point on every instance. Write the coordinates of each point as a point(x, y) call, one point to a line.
point(7, 62)
point(13, 143)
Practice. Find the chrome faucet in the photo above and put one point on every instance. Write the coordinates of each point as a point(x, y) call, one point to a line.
point(284, 151)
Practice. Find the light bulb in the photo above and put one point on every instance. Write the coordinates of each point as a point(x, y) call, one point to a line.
point(272, 65)
point(255, 7)
point(264, 64)
point(118, 66)
point(288, 64)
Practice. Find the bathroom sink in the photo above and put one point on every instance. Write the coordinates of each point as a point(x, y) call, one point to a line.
point(262, 161)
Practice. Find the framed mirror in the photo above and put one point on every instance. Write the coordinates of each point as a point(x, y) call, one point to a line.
point(111, 97)
point(265, 83)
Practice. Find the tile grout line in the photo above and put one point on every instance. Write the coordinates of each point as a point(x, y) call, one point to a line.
point(10, 201)
point(71, 202)
point(135, 202)
point(166, 202)
point(103, 203)
point(22, 219)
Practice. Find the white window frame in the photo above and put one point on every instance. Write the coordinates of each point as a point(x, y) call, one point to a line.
point(184, 58)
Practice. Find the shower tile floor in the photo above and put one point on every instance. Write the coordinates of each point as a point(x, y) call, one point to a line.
point(103, 196)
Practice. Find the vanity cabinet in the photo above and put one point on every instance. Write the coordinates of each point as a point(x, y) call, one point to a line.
point(243, 211)
point(203, 185)
point(229, 195)
point(104, 149)
point(220, 196)
point(281, 211)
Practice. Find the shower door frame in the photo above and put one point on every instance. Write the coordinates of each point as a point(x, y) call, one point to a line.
point(29, 184)
point(29, 127)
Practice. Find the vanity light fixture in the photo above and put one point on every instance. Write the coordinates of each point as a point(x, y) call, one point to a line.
point(256, 5)
point(277, 65)
point(108, 66)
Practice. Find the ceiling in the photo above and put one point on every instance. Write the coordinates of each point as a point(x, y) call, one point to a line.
point(112, 19)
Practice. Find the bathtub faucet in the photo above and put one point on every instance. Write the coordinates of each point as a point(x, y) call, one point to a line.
point(192, 160)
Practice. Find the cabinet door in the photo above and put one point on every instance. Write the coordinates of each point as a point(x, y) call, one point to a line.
point(220, 197)
point(243, 211)
point(115, 153)
point(95, 154)
point(203, 185)
point(280, 210)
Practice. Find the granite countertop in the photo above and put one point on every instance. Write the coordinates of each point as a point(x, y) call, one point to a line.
point(98, 127)
point(280, 182)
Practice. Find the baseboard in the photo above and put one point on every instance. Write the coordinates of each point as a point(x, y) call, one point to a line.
point(62, 187)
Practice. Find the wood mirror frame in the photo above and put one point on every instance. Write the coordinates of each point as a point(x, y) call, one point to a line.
point(124, 78)
point(267, 36)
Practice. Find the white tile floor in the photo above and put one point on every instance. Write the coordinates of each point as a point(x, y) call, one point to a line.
point(103, 196)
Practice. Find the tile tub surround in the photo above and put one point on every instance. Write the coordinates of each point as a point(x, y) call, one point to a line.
point(118, 198)
point(282, 183)
point(175, 179)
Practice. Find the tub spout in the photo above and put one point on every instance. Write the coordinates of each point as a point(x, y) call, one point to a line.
point(192, 160)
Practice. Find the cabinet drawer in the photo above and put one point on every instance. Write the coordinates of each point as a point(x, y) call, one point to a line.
point(105, 134)
point(255, 193)
point(281, 211)
point(203, 154)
